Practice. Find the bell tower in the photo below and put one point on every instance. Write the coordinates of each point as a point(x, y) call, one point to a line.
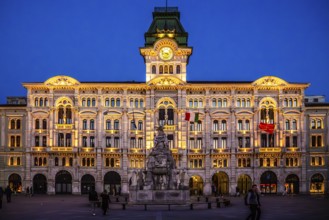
point(166, 53)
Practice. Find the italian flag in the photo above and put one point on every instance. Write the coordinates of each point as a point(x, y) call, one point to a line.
point(191, 116)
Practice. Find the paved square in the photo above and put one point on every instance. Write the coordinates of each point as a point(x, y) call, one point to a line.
point(62, 207)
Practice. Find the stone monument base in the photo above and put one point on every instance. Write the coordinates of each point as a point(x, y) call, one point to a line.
point(159, 196)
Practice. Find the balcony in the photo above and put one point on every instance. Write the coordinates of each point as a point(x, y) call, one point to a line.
point(220, 132)
point(112, 131)
point(137, 132)
point(87, 149)
point(111, 150)
point(195, 151)
point(88, 131)
point(292, 149)
point(169, 128)
point(220, 150)
point(38, 149)
point(243, 132)
point(64, 126)
point(136, 150)
point(270, 149)
point(40, 131)
point(60, 149)
point(245, 149)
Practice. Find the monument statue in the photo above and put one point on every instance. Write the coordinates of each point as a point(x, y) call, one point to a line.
point(160, 167)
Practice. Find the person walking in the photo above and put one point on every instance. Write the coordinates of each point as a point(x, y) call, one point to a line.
point(93, 198)
point(1, 195)
point(105, 201)
point(253, 202)
point(8, 194)
point(27, 191)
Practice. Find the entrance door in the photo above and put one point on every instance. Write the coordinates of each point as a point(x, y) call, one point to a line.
point(112, 183)
point(292, 184)
point(63, 182)
point(196, 185)
point(317, 184)
point(87, 183)
point(39, 184)
point(268, 183)
point(220, 180)
point(244, 183)
point(15, 182)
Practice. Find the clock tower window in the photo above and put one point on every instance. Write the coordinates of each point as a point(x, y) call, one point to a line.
point(153, 69)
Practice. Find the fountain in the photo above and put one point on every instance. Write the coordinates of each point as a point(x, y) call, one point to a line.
point(160, 181)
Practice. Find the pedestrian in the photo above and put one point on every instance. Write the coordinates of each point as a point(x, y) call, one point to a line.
point(252, 200)
point(27, 191)
point(237, 191)
point(1, 195)
point(8, 194)
point(93, 198)
point(105, 201)
point(31, 191)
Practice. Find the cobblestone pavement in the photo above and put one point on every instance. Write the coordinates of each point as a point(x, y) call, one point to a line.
point(61, 207)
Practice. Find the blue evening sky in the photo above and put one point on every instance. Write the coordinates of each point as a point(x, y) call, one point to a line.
point(98, 40)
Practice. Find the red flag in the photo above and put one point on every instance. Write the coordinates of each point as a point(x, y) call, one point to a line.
point(269, 128)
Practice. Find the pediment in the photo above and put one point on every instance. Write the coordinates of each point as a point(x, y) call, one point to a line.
point(165, 81)
point(270, 81)
point(61, 81)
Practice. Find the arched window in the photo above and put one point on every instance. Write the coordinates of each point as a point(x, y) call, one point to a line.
point(214, 103)
point(108, 124)
point(112, 102)
point(63, 161)
point(40, 161)
point(44, 161)
point(290, 103)
point(131, 103)
point(140, 125)
point(44, 124)
point(219, 102)
point(88, 102)
point(154, 69)
point(37, 124)
point(319, 124)
point(166, 69)
point(161, 69)
point(83, 161)
point(295, 103)
point(285, 102)
point(191, 103)
point(12, 124)
point(224, 102)
point(224, 125)
point(46, 102)
point(312, 124)
point(178, 69)
point(117, 102)
point(141, 103)
point(35, 161)
point(41, 102)
point(18, 124)
point(287, 125)
point(88, 162)
point(116, 124)
point(240, 125)
point(243, 103)
point(195, 103)
point(56, 161)
point(136, 103)
point(215, 126)
point(36, 102)
point(12, 161)
point(171, 69)
point(248, 103)
point(68, 115)
point(107, 162)
point(83, 102)
point(107, 102)
point(200, 103)
point(71, 161)
point(247, 125)
point(294, 124)
point(18, 161)
point(112, 162)
point(238, 103)
point(93, 102)
point(92, 124)
point(84, 124)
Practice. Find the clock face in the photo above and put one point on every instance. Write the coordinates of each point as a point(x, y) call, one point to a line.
point(166, 53)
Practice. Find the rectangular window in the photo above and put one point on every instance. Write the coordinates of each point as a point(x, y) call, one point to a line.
point(116, 142)
point(192, 145)
point(44, 141)
point(140, 143)
point(215, 143)
point(170, 138)
point(248, 142)
point(132, 142)
point(240, 142)
point(108, 141)
point(294, 141)
point(199, 143)
point(37, 142)
point(287, 141)
point(224, 142)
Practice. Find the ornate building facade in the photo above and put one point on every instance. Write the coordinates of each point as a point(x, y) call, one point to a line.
point(70, 136)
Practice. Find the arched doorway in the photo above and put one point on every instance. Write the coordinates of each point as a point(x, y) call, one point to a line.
point(112, 183)
point(221, 183)
point(196, 185)
point(268, 183)
point(39, 184)
point(292, 184)
point(317, 184)
point(87, 183)
point(63, 182)
point(15, 182)
point(244, 183)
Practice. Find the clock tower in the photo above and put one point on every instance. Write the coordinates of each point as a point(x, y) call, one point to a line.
point(166, 52)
